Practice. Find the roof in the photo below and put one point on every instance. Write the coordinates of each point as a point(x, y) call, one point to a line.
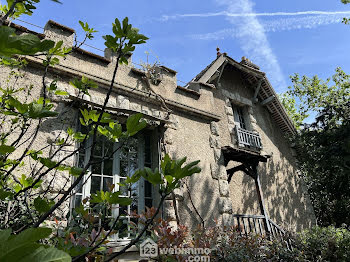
point(23, 29)
point(60, 26)
point(252, 75)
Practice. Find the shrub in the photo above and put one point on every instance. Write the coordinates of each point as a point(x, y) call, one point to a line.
point(230, 244)
point(325, 244)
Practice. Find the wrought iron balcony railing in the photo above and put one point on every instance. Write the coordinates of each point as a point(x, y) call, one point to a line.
point(259, 224)
point(249, 139)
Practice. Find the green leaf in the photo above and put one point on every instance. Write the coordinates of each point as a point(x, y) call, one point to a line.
point(4, 234)
point(41, 205)
point(50, 254)
point(76, 171)
point(124, 201)
point(38, 110)
point(4, 194)
point(5, 149)
point(134, 125)
point(169, 179)
point(154, 178)
point(61, 93)
point(25, 44)
point(23, 244)
point(47, 162)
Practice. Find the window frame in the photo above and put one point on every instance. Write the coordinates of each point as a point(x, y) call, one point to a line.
point(240, 116)
point(141, 162)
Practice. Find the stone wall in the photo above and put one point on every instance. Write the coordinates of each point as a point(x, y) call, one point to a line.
point(200, 123)
point(285, 195)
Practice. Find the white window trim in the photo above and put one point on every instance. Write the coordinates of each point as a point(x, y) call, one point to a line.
point(116, 179)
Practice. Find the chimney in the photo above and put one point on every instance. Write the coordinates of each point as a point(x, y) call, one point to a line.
point(55, 31)
point(218, 52)
point(247, 62)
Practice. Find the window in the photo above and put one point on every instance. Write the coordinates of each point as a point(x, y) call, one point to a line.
point(133, 154)
point(245, 137)
point(239, 116)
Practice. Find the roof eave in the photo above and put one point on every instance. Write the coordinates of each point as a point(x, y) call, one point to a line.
point(206, 74)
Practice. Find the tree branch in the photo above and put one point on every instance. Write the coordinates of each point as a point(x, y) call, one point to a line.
point(135, 240)
point(10, 11)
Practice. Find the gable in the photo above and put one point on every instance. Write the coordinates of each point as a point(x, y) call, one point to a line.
point(263, 90)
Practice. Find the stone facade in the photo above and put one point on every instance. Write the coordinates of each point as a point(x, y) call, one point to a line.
point(202, 121)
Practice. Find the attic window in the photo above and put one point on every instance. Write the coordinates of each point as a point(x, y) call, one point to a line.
point(240, 116)
point(245, 136)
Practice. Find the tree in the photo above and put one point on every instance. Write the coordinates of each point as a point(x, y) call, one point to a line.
point(324, 145)
point(25, 199)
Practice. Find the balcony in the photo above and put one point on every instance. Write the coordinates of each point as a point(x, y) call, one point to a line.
point(249, 139)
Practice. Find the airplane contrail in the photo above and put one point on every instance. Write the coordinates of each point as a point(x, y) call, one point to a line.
point(276, 25)
point(228, 14)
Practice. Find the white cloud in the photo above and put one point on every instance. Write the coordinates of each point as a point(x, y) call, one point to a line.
point(251, 33)
point(276, 25)
point(253, 41)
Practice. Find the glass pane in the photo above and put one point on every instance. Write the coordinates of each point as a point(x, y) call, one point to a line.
point(79, 187)
point(77, 200)
point(123, 168)
point(147, 149)
point(81, 160)
point(123, 210)
point(96, 168)
point(148, 189)
point(124, 153)
point(132, 145)
point(95, 184)
point(108, 150)
point(133, 164)
point(133, 227)
point(108, 167)
point(107, 183)
point(82, 147)
point(123, 189)
point(134, 190)
point(95, 209)
point(98, 146)
point(148, 202)
point(107, 212)
point(134, 205)
point(123, 230)
point(106, 224)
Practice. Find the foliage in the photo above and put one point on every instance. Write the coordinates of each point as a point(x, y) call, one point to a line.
point(324, 155)
point(28, 171)
point(312, 95)
point(16, 8)
point(21, 44)
point(289, 104)
point(228, 243)
point(325, 244)
point(25, 247)
point(124, 40)
point(323, 146)
point(345, 19)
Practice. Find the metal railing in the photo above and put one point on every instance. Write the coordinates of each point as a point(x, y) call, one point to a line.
point(250, 224)
point(259, 224)
point(249, 139)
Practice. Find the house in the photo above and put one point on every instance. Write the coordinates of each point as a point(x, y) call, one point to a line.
point(229, 117)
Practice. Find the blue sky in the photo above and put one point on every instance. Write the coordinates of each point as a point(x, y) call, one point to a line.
point(282, 37)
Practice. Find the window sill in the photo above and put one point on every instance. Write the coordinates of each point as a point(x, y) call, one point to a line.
point(118, 245)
